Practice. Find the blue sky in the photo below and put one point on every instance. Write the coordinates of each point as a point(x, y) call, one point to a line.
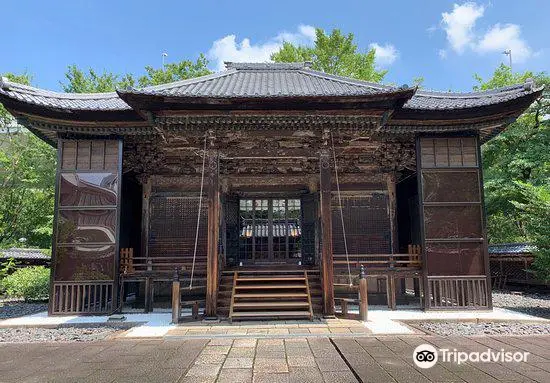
point(443, 41)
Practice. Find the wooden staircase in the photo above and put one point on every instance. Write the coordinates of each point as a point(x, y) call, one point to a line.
point(259, 294)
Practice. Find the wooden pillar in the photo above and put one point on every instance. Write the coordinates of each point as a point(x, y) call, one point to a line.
point(363, 295)
point(176, 298)
point(148, 294)
point(213, 235)
point(146, 195)
point(326, 235)
point(392, 207)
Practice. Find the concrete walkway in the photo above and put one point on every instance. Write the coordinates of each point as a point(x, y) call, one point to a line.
point(366, 359)
point(381, 322)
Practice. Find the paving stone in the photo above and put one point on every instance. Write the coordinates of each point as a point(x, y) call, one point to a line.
point(241, 352)
point(236, 331)
point(271, 378)
point(320, 330)
point(340, 330)
point(270, 365)
point(216, 349)
point(383, 359)
point(301, 361)
point(204, 370)
point(257, 331)
point(278, 331)
point(238, 363)
point(210, 359)
point(197, 379)
point(270, 342)
point(298, 352)
point(360, 330)
point(244, 343)
point(221, 342)
point(271, 354)
point(299, 330)
point(305, 375)
point(235, 375)
point(339, 377)
point(331, 364)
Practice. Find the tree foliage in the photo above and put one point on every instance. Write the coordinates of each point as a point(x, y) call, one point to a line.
point(171, 72)
point(80, 81)
point(333, 53)
point(31, 283)
point(534, 209)
point(28, 165)
point(27, 174)
point(517, 169)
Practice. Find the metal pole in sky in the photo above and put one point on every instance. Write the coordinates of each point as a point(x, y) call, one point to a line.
point(164, 55)
point(508, 52)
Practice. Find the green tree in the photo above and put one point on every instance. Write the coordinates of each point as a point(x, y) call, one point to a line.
point(27, 174)
point(79, 81)
point(333, 53)
point(516, 164)
point(175, 71)
point(27, 164)
point(535, 211)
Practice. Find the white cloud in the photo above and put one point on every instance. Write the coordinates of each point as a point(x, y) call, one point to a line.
point(500, 38)
point(442, 54)
point(385, 54)
point(228, 48)
point(459, 24)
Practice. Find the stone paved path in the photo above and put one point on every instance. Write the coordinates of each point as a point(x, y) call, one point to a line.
point(272, 328)
point(322, 359)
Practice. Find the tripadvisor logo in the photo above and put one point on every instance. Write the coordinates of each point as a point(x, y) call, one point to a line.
point(426, 356)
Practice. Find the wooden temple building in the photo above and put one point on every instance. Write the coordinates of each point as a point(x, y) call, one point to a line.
point(264, 188)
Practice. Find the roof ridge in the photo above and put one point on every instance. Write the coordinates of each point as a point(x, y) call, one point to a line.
point(7, 85)
point(267, 65)
point(347, 80)
point(473, 94)
point(187, 81)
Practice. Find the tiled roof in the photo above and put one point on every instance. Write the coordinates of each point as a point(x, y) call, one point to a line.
point(428, 100)
point(257, 80)
point(72, 101)
point(511, 248)
point(262, 80)
point(17, 253)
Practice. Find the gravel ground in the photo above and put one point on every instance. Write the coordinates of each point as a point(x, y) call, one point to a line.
point(527, 302)
point(61, 334)
point(16, 309)
point(485, 328)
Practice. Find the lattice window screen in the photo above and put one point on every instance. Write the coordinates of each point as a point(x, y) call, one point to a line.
point(366, 221)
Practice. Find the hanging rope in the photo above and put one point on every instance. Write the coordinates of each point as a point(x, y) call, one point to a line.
point(341, 209)
point(198, 214)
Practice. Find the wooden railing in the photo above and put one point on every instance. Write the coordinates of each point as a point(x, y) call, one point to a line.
point(87, 297)
point(377, 261)
point(135, 266)
point(161, 269)
point(453, 292)
point(385, 268)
